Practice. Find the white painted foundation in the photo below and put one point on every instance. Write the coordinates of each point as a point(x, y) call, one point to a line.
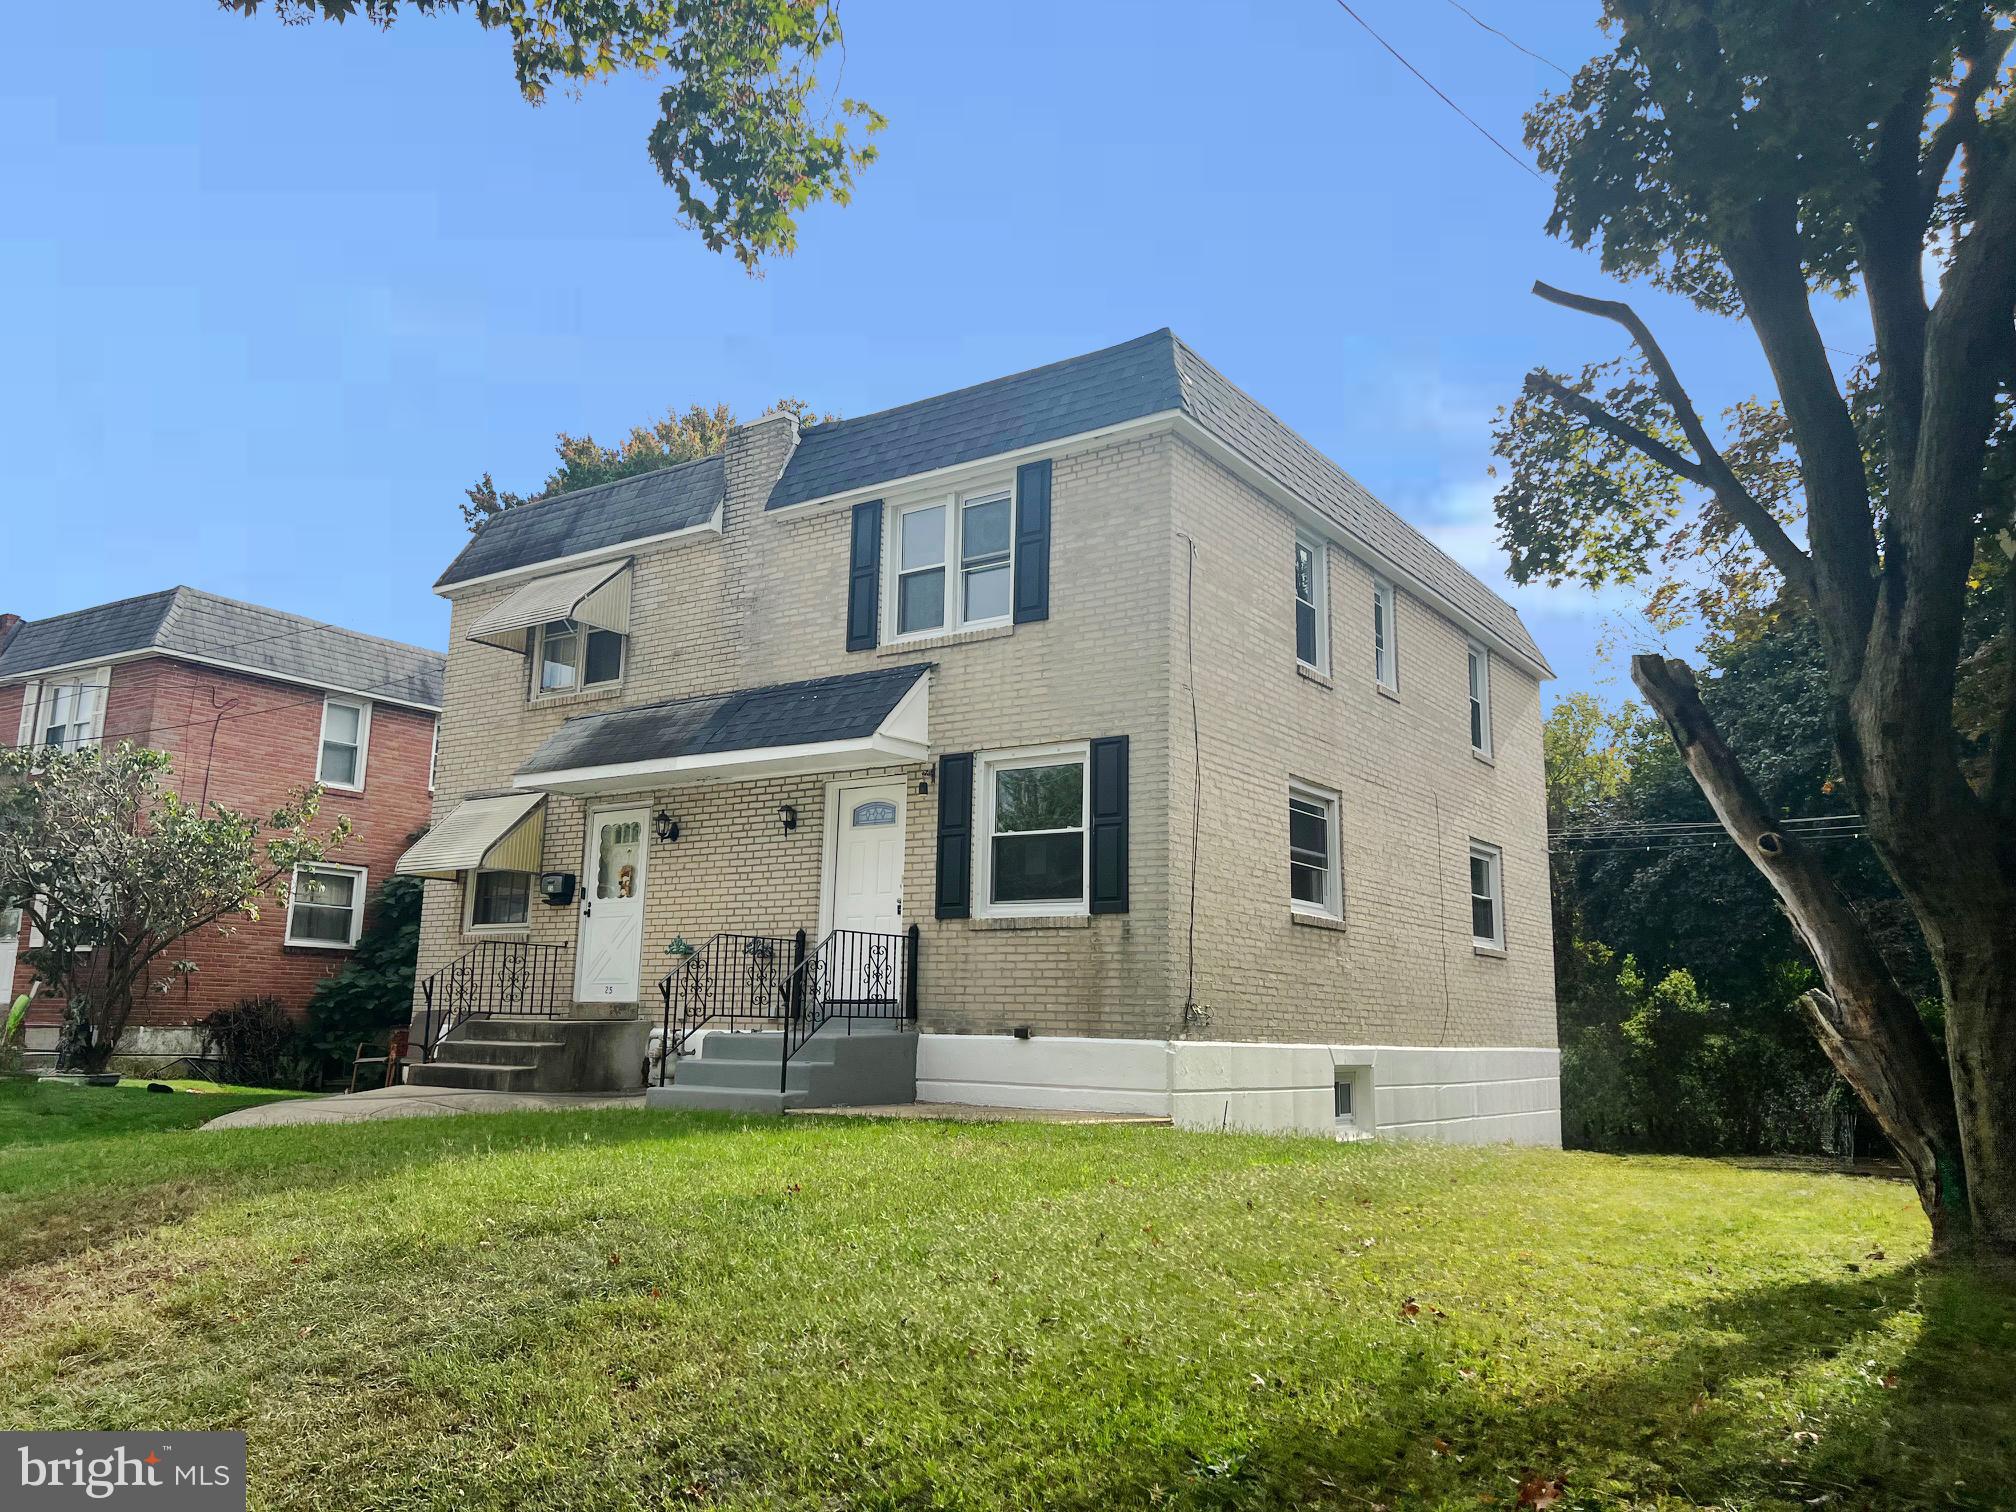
point(1456, 1096)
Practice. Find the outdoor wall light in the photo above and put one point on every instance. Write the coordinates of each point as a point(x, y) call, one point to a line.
point(787, 816)
point(665, 826)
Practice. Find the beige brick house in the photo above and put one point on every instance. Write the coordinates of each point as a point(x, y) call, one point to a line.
point(1087, 721)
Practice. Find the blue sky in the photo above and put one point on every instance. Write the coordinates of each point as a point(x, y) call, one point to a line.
point(275, 296)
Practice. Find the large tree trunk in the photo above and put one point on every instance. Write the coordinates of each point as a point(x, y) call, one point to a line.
point(1870, 1030)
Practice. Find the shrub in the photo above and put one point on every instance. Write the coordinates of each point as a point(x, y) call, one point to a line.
point(373, 993)
point(257, 1043)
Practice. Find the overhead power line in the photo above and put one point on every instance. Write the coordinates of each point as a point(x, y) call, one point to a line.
point(1475, 124)
point(1512, 41)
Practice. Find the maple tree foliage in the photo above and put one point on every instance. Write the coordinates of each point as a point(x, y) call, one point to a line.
point(748, 135)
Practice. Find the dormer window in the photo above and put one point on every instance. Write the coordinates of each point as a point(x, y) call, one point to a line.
point(571, 657)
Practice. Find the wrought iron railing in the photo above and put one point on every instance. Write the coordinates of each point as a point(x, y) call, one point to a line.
point(852, 975)
point(502, 977)
point(733, 978)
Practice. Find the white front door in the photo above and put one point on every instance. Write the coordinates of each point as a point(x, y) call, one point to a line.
point(864, 864)
point(610, 953)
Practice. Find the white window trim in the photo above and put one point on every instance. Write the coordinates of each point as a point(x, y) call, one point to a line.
point(1386, 659)
point(1333, 873)
point(469, 924)
point(434, 754)
point(1483, 850)
point(363, 708)
point(954, 504)
point(1479, 659)
point(38, 700)
point(1319, 572)
point(986, 764)
point(581, 683)
point(362, 894)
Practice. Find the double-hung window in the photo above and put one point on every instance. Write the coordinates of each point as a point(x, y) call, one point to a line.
point(1034, 837)
point(1480, 700)
point(1385, 637)
point(954, 563)
point(1314, 884)
point(325, 907)
point(67, 711)
point(1312, 615)
point(1487, 896)
point(346, 734)
point(499, 900)
point(571, 657)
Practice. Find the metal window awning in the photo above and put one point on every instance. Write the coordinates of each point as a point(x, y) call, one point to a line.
point(598, 596)
point(505, 833)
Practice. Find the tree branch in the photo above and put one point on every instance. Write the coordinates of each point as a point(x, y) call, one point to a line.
point(1961, 122)
point(1760, 247)
point(1623, 430)
point(1870, 1030)
point(1711, 471)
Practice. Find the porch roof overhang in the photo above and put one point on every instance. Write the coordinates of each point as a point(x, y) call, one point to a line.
point(829, 724)
point(598, 596)
point(506, 832)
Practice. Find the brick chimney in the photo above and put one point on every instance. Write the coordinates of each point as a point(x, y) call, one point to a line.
point(9, 623)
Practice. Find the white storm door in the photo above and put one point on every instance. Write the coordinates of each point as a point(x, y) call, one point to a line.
point(864, 894)
point(865, 880)
point(610, 953)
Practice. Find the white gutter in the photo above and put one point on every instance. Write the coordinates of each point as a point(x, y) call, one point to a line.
point(710, 526)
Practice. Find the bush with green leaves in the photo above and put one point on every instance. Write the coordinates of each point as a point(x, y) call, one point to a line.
point(373, 993)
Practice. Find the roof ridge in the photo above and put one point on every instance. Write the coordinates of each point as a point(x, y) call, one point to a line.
point(287, 614)
point(985, 383)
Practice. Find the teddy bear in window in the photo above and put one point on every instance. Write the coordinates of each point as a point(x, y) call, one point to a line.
point(626, 881)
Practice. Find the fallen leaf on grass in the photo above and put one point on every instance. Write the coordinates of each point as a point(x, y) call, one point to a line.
point(1541, 1491)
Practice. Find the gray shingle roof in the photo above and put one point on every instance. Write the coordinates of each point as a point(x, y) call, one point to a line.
point(188, 622)
point(1065, 398)
point(592, 519)
point(848, 707)
point(1150, 375)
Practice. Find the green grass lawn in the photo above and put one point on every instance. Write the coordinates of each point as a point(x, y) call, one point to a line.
point(625, 1309)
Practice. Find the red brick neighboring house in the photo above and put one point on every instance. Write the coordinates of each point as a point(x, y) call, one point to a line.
point(251, 704)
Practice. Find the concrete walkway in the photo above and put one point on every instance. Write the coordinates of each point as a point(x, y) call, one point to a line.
point(426, 1102)
point(414, 1102)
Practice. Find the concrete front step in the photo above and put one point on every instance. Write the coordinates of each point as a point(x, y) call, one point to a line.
point(501, 1052)
point(833, 1069)
point(526, 1027)
point(538, 1055)
point(687, 1099)
point(474, 1076)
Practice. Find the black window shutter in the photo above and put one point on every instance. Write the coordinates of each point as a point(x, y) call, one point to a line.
point(955, 836)
point(864, 576)
point(1032, 542)
point(1109, 825)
